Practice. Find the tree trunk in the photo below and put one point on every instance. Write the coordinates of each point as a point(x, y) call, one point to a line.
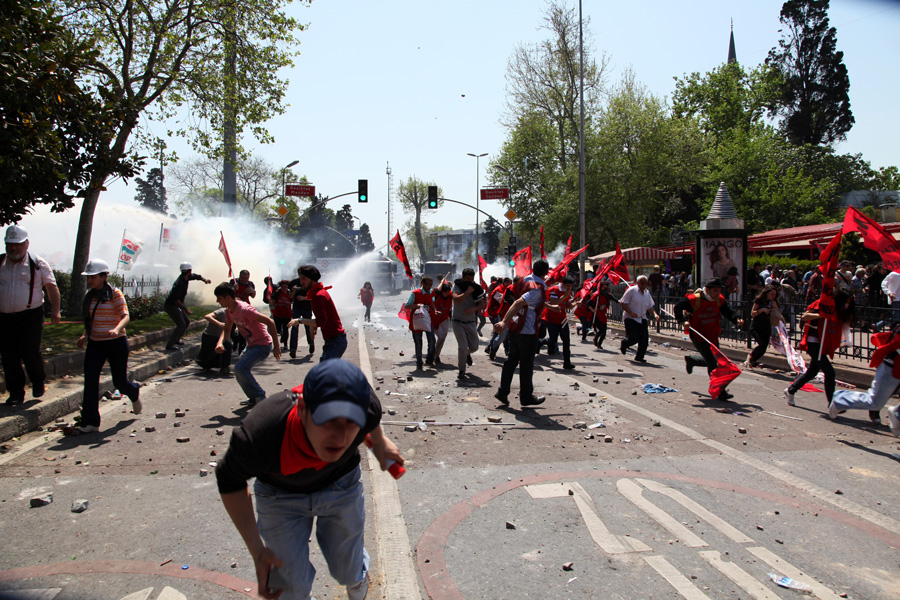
point(82, 250)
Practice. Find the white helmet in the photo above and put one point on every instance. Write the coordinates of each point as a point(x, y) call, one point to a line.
point(186, 266)
point(16, 235)
point(95, 267)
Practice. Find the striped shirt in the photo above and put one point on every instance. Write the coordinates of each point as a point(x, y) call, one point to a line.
point(107, 316)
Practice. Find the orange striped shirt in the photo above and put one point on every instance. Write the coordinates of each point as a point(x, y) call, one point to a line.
point(107, 316)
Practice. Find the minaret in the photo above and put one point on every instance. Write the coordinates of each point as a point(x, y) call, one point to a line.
point(732, 54)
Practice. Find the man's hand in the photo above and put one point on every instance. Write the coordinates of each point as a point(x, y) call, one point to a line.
point(264, 562)
point(276, 350)
point(384, 449)
point(220, 348)
point(499, 326)
point(81, 341)
point(55, 317)
point(187, 311)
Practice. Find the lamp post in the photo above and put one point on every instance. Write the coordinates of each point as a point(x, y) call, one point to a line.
point(477, 197)
point(286, 167)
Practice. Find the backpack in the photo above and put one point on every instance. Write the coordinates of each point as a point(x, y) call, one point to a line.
point(517, 322)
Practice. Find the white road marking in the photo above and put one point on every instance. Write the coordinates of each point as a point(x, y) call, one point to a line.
point(678, 581)
point(141, 595)
point(390, 527)
point(726, 528)
point(739, 576)
point(633, 492)
point(170, 594)
point(785, 568)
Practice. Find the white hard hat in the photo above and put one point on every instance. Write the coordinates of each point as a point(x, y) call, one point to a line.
point(95, 267)
point(16, 235)
point(186, 266)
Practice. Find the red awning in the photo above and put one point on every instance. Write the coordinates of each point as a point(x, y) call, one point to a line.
point(642, 255)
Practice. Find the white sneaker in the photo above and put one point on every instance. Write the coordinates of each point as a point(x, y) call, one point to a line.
point(88, 428)
point(833, 410)
point(894, 419)
point(789, 396)
point(136, 406)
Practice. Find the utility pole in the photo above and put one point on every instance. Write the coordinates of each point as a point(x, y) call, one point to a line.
point(390, 185)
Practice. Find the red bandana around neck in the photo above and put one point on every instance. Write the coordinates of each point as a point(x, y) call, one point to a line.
point(315, 288)
point(296, 452)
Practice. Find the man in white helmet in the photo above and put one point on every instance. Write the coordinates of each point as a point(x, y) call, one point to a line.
point(175, 306)
point(23, 279)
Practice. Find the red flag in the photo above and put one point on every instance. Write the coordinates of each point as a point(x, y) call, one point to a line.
point(829, 265)
point(400, 250)
point(544, 256)
point(569, 246)
point(560, 270)
point(482, 265)
point(874, 237)
point(723, 374)
point(618, 268)
point(522, 260)
point(224, 250)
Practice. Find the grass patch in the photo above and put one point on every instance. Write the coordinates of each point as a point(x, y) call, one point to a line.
point(60, 339)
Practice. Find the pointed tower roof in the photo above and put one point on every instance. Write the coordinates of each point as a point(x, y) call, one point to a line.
point(722, 214)
point(732, 54)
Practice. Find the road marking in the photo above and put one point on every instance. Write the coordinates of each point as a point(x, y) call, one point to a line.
point(779, 564)
point(678, 581)
point(608, 541)
point(724, 527)
point(390, 528)
point(739, 576)
point(36, 594)
point(790, 479)
point(633, 492)
point(141, 595)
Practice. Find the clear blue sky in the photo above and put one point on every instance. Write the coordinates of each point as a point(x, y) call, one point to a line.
point(419, 84)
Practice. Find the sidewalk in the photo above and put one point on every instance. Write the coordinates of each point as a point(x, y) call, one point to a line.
point(65, 381)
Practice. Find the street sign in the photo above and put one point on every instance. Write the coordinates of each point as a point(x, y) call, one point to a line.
point(495, 193)
point(282, 210)
point(510, 215)
point(299, 189)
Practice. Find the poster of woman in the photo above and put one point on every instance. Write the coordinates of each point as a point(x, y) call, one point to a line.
point(722, 258)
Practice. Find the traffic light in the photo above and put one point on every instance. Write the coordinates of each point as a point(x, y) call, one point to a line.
point(511, 254)
point(432, 196)
point(363, 190)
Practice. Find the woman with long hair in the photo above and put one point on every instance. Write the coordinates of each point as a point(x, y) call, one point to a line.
point(366, 296)
point(720, 260)
point(764, 305)
point(821, 337)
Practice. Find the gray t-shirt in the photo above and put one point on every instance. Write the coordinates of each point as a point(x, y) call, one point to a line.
point(460, 308)
point(213, 329)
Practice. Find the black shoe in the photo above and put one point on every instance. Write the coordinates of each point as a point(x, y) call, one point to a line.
point(437, 361)
point(492, 354)
point(551, 352)
point(429, 363)
point(37, 390)
point(622, 347)
point(569, 367)
point(469, 359)
point(461, 375)
point(725, 395)
point(15, 400)
point(688, 365)
point(419, 366)
point(533, 401)
point(875, 417)
point(640, 360)
point(293, 354)
point(502, 398)
point(312, 348)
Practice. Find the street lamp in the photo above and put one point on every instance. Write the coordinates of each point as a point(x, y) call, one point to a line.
point(288, 166)
point(477, 197)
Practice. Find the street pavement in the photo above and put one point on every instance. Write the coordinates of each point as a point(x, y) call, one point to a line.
point(688, 498)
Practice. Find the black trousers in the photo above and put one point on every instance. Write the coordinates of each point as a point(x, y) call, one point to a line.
point(114, 351)
point(762, 333)
point(522, 349)
point(638, 333)
point(182, 322)
point(207, 357)
point(706, 359)
point(815, 365)
point(20, 344)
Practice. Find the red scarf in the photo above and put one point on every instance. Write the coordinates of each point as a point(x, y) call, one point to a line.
point(296, 453)
point(315, 288)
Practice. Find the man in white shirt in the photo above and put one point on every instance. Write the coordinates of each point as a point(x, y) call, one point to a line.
point(636, 303)
point(23, 279)
point(890, 285)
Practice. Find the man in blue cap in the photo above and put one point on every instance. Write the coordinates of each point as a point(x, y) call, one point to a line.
point(303, 448)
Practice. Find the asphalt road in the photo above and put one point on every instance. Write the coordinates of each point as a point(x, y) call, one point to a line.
point(689, 498)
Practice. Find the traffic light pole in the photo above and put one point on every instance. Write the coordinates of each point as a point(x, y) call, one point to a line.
point(317, 205)
point(470, 206)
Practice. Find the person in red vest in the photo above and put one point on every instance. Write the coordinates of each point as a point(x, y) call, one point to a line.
point(244, 289)
point(442, 302)
point(597, 307)
point(325, 315)
point(422, 298)
point(281, 301)
point(556, 315)
point(500, 301)
point(367, 296)
point(703, 311)
point(820, 340)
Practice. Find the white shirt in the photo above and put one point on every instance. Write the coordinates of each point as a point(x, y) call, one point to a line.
point(637, 302)
point(14, 281)
point(890, 285)
point(533, 298)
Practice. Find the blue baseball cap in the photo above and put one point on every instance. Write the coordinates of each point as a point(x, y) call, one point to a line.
point(336, 389)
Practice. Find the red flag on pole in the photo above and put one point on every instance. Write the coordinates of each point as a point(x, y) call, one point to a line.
point(224, 250)
point(829, 260)
point(482, 265)
point(723, 374)
point(560, 270)
point(400, 250)
point(522, 260)
point(569, 246)
point(618, 268)
point(874, 237)
point(544, 256)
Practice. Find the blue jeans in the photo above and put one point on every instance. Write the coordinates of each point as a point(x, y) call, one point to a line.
point(243, 374)
point(878, 394)
point(334, 347)
point(417, 341)
point(285, 521)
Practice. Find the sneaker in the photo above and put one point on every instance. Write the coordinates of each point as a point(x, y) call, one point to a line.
point(502, 398)
point(832, 410)
point(688, 365)
point(225, 371)
point(37, 390)
point(875, 417)
point(789, 396)
point(136, 406)
point(248, 402)
point(533, 401)
point(623, 349)
point(894, 419)
point(569, 367)
point(87, 429)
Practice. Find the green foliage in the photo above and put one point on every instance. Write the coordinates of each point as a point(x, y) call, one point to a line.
point(151, 193)
point(814, 98)
point(365, 239)
point(64, 284)
point(145, 306)
point(413, 196)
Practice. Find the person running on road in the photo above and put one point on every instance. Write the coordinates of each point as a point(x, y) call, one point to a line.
point(505, 291)
point(440, 318)
point(367, 296)
point(280, 302)
point(174, 304)
point(257, 329)
point(302, 447)
point(105, 315)
point(23, 279)
point(468, 300)
point(764, 306)
point(559, 299)
point(422, 298)
point(325, 315)
point(884, 383)
point(300, 309)
point(636, 303)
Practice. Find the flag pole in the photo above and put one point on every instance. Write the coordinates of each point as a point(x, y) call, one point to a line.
point(121, 245)
point(161, 229)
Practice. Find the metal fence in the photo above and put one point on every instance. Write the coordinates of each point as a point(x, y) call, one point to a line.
point(868, 320)
point(140, 287)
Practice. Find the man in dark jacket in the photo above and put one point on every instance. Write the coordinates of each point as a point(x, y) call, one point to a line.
point(174, 304)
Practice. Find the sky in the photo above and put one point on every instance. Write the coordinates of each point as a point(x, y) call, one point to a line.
point(418, 85)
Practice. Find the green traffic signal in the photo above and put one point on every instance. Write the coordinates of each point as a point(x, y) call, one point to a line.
point(432, 196)
point(363, 190)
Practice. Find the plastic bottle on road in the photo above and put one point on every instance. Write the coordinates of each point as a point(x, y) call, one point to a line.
point(793, 584)
point(394, 468)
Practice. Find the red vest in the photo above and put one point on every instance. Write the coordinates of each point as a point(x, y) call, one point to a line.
point(242, 291)
point(441, 305)
point(557, 317)
point(421, 297)
point(366, 296)
point(706, 318)
point(282, 308)
point(832, 335)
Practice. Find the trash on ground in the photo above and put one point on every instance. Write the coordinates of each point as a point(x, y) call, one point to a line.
point(792, 584)
point(656, 388)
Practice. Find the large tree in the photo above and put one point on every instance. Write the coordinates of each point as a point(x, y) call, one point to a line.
point(53, 125)
point(413, 195)
point(158, 57)
point(151, 193)
point(814, 101)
